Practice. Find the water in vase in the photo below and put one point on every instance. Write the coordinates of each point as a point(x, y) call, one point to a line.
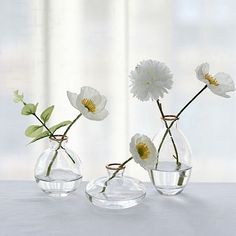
point(169, 179)
point(60, 182)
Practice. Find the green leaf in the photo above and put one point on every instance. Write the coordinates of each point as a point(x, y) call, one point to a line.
point(18, 97)
point(46, 114)
point(40, 136)
point(29, 109)
point(33, 131)
point(58, 126)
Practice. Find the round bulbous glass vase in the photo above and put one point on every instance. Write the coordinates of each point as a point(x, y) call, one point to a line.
point(115, 191)
point(57, 171)
point(173, 170)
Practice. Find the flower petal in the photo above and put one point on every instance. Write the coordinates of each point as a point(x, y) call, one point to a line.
point(97, 116)
point(225, 80)
point(100, 102)
point(151, 156)
point(88, 92)
point(150, 80)
point(72, 98)
point(205, 68)
point(201, 71)
point(225, 84)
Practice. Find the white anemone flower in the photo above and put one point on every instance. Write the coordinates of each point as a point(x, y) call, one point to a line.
point(143, 151)
point(89, 102)
point(219, 84)
point(150, 80)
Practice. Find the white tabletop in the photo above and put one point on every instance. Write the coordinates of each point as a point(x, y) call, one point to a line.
point(202, 209)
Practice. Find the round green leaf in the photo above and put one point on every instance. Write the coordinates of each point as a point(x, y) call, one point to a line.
point(33, 131)
point(46, 114)
point(29, 109)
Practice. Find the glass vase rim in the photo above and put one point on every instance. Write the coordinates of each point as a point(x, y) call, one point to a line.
point(115, 166)
point(170, 117)
point(58, 137)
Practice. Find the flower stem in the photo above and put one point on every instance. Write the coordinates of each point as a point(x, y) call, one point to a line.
point(52, 135)
point(44, 125)
point(52, 161)
point(60, 143)
point(68, 128)
point(114, 174)
point(176, 156)
point(177, 116)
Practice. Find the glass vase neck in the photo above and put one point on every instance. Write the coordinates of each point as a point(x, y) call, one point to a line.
point(114, 168)
point(169, 119)
point(57, 140)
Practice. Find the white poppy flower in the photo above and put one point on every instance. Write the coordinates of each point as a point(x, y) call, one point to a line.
point(143, 151)
point(150, 79)
point(220, 83)
point(89, 102)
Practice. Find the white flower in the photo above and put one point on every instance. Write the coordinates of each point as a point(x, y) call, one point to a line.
point(17, 97)
point(150, 79)
point(89, 102)
point(143, 151)
point(220, 83)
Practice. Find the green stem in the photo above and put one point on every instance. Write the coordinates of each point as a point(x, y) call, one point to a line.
point(56, 152)
point(181, 178)
point(51, 163)
point(68, 154)
point(176, 156)
point(44, 125)
point(177, 116)
point(68, 128)
point(114, 174)
point(52, 135)
point(60, 143)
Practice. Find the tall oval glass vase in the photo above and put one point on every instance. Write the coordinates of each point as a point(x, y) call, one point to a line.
point(173, 169)
point(57, 170)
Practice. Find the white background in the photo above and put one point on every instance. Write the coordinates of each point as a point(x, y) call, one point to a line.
point(50, 46)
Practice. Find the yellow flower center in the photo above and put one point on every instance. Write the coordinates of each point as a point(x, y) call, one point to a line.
point(142, 150)
point(89, 104)
point(211, 80)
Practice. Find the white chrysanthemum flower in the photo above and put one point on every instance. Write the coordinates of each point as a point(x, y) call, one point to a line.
point(220, 83)
point(143, 151)
point(89, 102)
point(150, 79)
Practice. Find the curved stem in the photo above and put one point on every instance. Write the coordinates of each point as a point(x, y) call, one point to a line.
point(176, 156)
point(180, 112)
point(60, 143)
point(114, 174)
point(68, 128)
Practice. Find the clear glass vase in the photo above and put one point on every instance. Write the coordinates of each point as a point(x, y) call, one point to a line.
point(115, 191)
point(173, 169)
point(57, 170)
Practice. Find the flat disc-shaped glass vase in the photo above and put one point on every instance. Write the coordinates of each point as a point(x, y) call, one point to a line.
point(115, 191)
